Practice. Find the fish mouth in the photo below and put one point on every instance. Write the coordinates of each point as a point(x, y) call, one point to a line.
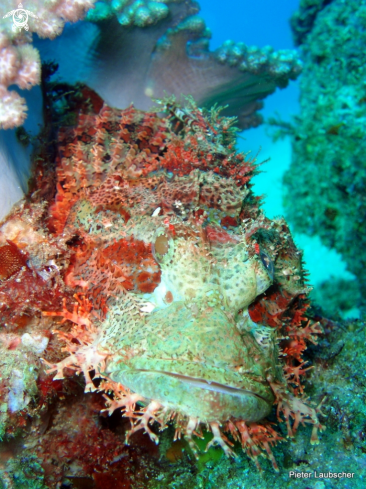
point(208, 385)
point(194, 396)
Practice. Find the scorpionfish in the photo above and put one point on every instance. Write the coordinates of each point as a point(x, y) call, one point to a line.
point(189, 304)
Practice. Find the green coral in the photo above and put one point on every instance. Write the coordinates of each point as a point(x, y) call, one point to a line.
point(140, 13)
point(337, 297)
point(254, 59)
point(304, 19)
point(324, 187)
point(198, 32)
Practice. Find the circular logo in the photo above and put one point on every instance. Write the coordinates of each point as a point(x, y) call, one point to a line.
point(20, 18)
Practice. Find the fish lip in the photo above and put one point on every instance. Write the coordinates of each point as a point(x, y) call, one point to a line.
point(208, 385)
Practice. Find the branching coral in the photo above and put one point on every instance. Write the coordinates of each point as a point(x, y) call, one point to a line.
point(140, 13)
point(19, 61)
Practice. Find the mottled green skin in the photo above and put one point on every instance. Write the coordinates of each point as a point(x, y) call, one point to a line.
point(191, 355)
point(338, 374)
point(207, 347)
point(325, 185)
point(195, 274)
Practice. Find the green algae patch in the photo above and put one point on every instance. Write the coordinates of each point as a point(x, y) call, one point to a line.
point(212, 456)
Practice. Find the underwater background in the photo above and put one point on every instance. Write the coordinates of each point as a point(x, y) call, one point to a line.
point(311, 144)
point(322, 262)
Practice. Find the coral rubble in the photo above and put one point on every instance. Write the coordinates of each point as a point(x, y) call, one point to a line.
point(325, 183)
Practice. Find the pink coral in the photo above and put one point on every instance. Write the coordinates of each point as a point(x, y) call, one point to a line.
point(20, 62)
point(19, 65)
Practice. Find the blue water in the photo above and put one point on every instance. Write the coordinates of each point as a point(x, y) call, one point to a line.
point(266, 22)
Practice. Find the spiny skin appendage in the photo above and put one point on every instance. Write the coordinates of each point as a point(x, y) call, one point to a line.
point(146, 415)
point(221, 440)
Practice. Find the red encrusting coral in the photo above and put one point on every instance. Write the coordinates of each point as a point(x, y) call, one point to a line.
point(79, 444)
point(24, 295)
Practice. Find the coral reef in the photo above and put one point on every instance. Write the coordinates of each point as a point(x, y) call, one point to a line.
point(174, 36)
point(129, 51)
point(337, 297)
point(141, 252)
point(141, 261)
point(139, 13)
point(138, 50)
point(19, 60)
point(324, 187)
point(303, 20)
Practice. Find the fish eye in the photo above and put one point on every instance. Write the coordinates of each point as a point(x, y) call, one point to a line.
point(267, 263)
point(161, 246)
